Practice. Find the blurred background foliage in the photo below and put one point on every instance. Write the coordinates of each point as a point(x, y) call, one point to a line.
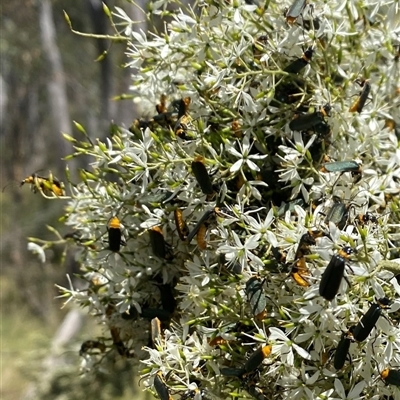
point(49, 77)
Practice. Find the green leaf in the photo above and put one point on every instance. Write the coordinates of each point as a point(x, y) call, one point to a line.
point(69, 138)
point(102, 56)
point(67, 19)
point(79, 127)
point(106, 10)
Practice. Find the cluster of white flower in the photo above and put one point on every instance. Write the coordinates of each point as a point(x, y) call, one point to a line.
point(279, 172)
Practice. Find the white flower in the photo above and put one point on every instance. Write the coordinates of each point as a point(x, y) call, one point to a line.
point(262, 227)
point(38, 250)
point(284, 347)
point(354, 394)
point(241, 252)
point(244, 156)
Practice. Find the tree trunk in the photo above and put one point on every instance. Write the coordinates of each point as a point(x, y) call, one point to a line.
point(56, 80)
point(100, 23)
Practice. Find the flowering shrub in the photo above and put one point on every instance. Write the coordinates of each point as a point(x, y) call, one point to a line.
point(230, 203)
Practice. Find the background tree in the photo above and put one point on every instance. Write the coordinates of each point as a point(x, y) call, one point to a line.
point(47, 81)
